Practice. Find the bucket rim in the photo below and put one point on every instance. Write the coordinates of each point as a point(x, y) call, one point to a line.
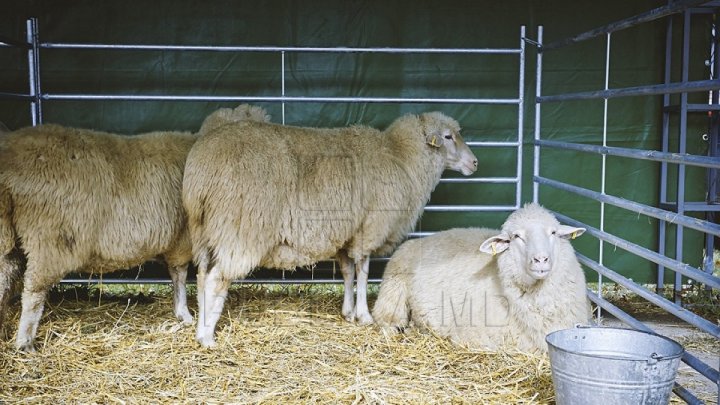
point(672, 356)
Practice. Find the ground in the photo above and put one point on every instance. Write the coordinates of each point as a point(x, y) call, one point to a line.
point(276, 344)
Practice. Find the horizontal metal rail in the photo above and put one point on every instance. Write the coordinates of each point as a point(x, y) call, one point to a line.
point(420, 234)
point(647, 254)
point(495, 180)
point(651, 297)
point(301, 99)
point(671, 217)
point(491, 144)
point(656, 156)
point(654, 14)
point(15, 96)
point(687, 358)
point(96, 281)
point(6, 42)
point(649, 90)
point(469, 208)
point(211, 48)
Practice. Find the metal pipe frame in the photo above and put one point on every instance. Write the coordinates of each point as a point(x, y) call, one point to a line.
point(650, 90)
point(647, 254)
point(682, 149)
point(33, 55)
point(142, 281)
point(38, 96)
point(293, 49)
point(6, 42)
point(603, 169)
point(652, 155)
point(664, 157)
point(654, 14)
point(672, 217)
point(538, 107)
point(276, 99)
point(521, 112)
point(662, 228)
point(650, 296)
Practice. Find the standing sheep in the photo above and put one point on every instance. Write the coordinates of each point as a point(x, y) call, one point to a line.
point(81, 200)
point(260, 194)
point(517, 286)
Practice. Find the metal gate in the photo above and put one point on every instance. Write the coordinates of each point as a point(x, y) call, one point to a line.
point(323, 272)
point(673, 214)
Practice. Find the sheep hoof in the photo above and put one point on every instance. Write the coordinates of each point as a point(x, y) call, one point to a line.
point(186, 319)
point(364, 319)
point(207, 342)
point(349, 315)
point(26, 347)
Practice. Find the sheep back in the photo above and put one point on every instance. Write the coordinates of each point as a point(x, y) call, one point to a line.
point(281, 196)
point(84, 198)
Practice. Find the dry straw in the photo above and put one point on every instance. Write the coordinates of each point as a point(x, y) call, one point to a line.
point(275, 345)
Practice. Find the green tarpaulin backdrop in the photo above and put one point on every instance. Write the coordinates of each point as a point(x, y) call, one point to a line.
point(637, 59)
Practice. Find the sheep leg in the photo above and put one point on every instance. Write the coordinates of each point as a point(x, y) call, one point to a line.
point(178, 274)
point(9, 271)
point(362, 313)
point(347, 267)
point(203, 263)
point(215, 292)
point(33, 303)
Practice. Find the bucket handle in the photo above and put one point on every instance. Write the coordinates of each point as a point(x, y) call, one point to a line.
point(654, 358)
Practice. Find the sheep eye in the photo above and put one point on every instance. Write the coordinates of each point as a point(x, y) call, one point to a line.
point(554, 232)
point(448, 136)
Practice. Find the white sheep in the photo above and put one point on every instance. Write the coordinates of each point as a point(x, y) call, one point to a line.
point(488, 288)
point(261, 194)
point(82, 200)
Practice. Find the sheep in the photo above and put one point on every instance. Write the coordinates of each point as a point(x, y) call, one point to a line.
point(82, 200)
point(282, 197)
point(487, 288)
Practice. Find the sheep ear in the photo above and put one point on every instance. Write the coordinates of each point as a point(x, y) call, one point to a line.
point(496, 244)
point(434, 139)
point(569, 232)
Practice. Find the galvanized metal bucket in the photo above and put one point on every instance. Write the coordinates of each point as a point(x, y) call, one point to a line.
point(593, 365)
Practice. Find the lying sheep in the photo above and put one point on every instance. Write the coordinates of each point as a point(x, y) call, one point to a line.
point(82, 200)
point(485, 287)
point(260, 194)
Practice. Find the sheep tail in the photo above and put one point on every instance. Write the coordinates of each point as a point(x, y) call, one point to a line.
point(7, 230)
point(392, 309)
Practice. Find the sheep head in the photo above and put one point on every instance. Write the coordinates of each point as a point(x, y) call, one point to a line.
point(443, 133)
point(243, 112)
point(529, 241)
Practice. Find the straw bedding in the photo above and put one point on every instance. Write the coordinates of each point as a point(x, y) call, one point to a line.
point(275, 345)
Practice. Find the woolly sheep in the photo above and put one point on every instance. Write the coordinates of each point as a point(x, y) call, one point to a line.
point(487, 288)
point(261, 194)
point(82, 200)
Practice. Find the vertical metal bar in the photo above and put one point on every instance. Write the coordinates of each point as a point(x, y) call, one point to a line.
point(282, 78)
point(662, 225)
point(521, 118)
point(538, 88)
point(603, 172)
point(682, 148)
point(713, 135)
point(34, 71)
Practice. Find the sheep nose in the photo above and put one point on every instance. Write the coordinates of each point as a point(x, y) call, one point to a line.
point(475, 162)
point(540, 259)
